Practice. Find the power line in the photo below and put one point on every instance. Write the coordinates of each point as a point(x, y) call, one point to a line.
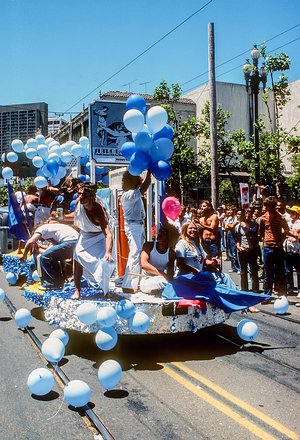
point(240, 65)
point(141, 54)
point(243, 53)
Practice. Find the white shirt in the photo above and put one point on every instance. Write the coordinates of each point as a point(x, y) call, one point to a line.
point(193, 257)
point(133, 206)
point(57, 232)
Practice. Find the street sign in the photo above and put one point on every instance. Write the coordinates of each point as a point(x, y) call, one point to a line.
point(107, 132)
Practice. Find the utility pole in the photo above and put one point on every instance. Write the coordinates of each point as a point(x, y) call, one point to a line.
point(213, 117)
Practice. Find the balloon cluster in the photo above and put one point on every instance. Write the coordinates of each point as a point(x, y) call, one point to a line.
point(50, 158)
point(152, 145)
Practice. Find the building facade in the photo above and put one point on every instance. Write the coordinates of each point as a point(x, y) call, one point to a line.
point(22, 121)
point(55, 123)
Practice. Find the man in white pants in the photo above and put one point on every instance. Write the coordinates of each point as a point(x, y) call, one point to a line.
point(134, 215)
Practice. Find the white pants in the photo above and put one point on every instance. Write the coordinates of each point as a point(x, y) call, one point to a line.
point(153, 285)
point(135, 234)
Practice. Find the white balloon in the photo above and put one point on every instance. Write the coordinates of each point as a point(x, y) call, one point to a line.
point(106, 316)
point(42, 151)
point(54, 180)
point(30, 152)
point(7, 173)
point(32, 143)
point(53, 349)
point(66, 156)
point(35, 276)
point(12, 157)
point(134, 120)
point(23, 317)
point(17, 145)
point(53, 156)
point(84, 141)
point(76, 150)
point(40, 182)
point(87, 313)
point(60, 334)
point(77, 393)
point(61, 173)
point(48, 141)
point(281, 305)
point(69, 145)
point(3, 157)
point(38, 162)
point(40, 381)
point(53, 144)
point(156, 118)
point(40, 139)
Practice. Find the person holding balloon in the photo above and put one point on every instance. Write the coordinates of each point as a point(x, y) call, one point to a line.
point(134, 188)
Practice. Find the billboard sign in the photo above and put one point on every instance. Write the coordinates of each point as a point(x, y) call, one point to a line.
point(107, 132)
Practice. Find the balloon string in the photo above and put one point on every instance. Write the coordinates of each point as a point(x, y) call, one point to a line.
point(52, 417)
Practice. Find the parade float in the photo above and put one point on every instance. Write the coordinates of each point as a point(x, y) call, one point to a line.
point(109, 310)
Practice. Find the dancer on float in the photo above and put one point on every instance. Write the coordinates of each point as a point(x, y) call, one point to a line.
point(95, 238)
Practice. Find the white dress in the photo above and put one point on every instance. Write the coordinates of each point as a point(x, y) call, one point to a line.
point(91, 245)
point(154, 284)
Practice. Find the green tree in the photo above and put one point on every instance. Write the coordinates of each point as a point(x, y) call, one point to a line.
point(272, 141)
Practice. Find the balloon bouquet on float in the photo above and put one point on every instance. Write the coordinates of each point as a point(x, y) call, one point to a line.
point(48, 156)
point(152, 145)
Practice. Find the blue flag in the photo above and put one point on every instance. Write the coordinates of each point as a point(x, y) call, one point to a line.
point(16, 219)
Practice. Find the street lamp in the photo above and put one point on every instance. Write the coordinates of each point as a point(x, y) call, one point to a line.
point(253, 78)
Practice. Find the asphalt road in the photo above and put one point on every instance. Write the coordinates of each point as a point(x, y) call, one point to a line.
point(190, 386)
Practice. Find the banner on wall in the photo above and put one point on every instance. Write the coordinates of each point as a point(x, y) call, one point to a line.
point(244, 191)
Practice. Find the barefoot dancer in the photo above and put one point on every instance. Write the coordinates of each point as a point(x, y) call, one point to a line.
point(95, 239)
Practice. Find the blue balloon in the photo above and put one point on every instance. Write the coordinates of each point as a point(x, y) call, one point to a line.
point(162, 149)
point(135, 171)
point(140, 322)
point(136, 102)
point(52, 166)
point(105, 179)
point(72, 206)
point(109, 374)
point(61, 163)
point(106, 338)
point(40, 381)
point(11, 278)
point(161, 170)
point(87, 178)
point(82, 177)
point(141, 160)
point(165, 132)
point(75, 196)
point(23, 317)
point(143, 141)
point(125, 309)
point(77, 393)
point(84, 161)
point(127, 149)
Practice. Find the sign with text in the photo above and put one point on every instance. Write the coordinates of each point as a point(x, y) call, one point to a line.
point(107, 132)
point(244, 190)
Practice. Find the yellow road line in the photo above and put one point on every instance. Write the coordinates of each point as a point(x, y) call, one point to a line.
point(258, 414)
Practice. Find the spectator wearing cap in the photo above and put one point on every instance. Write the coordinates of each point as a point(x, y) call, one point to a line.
point(291, 247)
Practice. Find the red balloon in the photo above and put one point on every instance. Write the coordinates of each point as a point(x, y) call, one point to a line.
point(171, 207)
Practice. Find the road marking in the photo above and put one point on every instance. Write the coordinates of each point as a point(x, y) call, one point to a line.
point(254, 429)
point(245, 406)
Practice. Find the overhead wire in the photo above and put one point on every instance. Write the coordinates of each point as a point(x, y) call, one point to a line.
point(241, 54)
point(141, 54)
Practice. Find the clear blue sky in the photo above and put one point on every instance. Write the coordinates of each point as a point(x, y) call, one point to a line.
point(58, 51)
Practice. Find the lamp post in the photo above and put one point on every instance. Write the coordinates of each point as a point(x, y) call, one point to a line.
point(253, 78)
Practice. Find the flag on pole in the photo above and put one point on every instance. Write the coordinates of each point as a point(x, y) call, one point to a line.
point(16, 219)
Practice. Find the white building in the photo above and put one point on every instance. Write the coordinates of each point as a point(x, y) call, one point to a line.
point(55, 123)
